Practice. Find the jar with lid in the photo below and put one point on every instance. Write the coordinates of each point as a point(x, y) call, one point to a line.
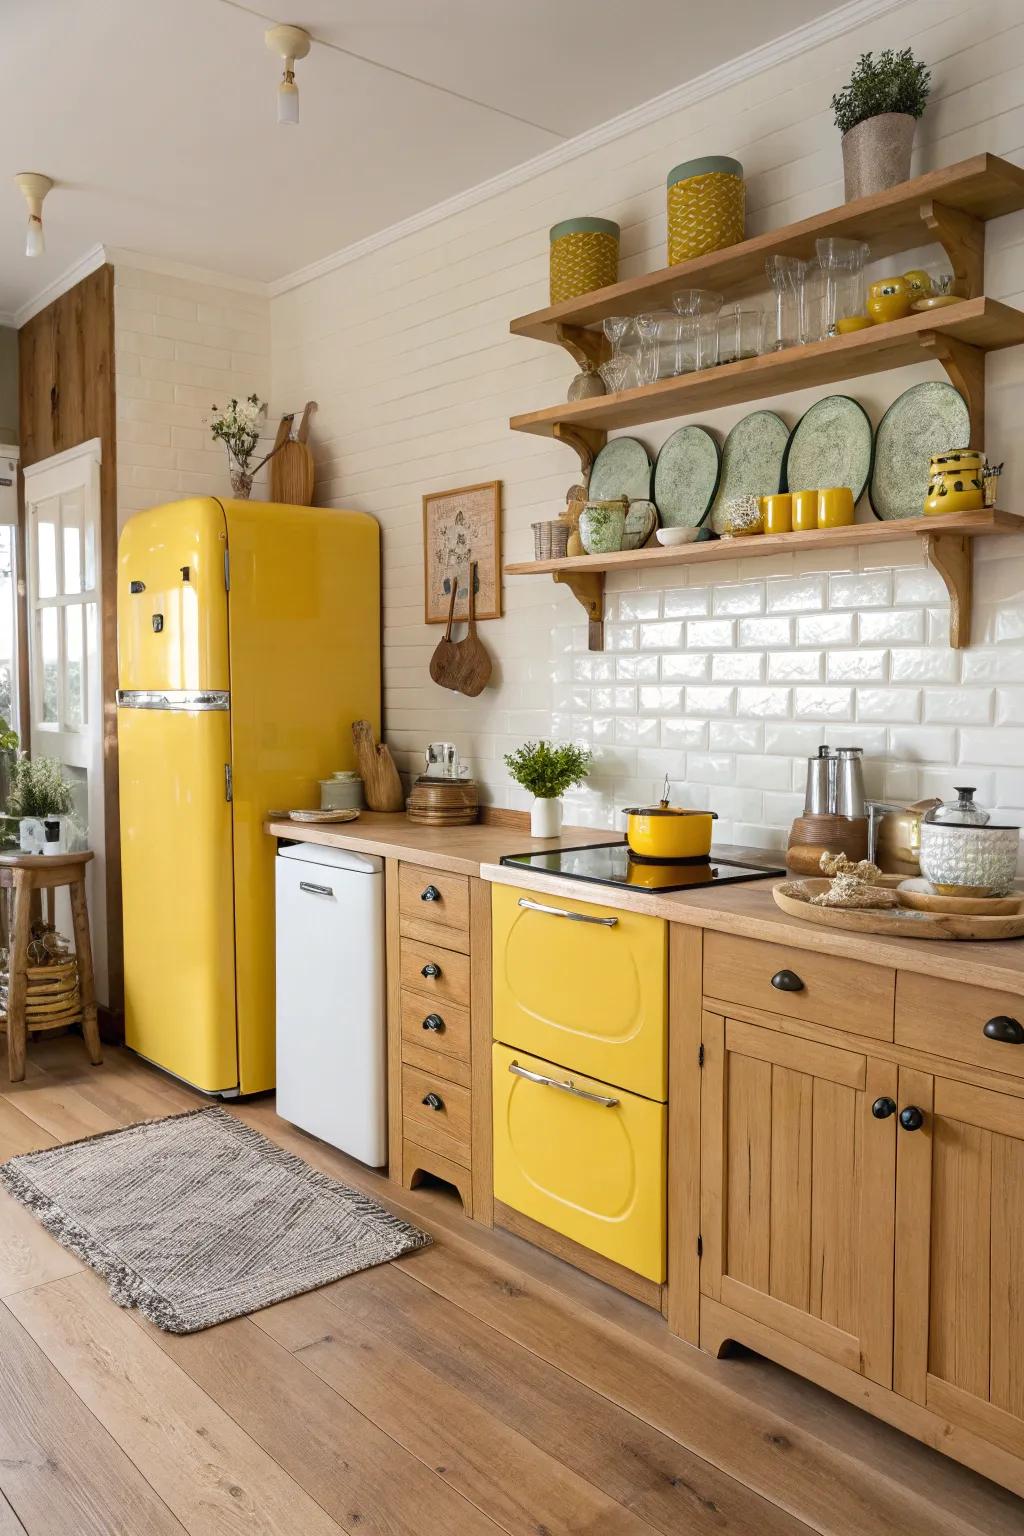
point(964, 811)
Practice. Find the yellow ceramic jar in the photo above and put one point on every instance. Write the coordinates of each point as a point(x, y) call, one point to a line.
point(805, 511)
point(705, 207)
point(890, 299)
point(954, 490)
point(967, 461)
point(777, 513)
point(584, 256)
point(920, 282)
point(835, 507)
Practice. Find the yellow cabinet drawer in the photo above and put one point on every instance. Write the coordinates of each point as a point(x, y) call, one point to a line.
point(592, 1170)
point(582, 985)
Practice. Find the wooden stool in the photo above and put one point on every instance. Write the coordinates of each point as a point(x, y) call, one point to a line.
point(26, 875)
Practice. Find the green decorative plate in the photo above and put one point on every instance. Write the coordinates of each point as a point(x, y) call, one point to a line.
point(925, 420)
point(686, 477)
point(622, 468)
point(752, 457)
point(830, 445)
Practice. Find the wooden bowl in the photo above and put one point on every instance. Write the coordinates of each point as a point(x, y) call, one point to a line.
point(922, 896)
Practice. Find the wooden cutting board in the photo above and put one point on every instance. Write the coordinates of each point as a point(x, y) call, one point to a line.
point(381, 784)
point(292, 471)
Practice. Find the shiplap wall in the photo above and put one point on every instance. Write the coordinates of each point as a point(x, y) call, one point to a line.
point(408, 353)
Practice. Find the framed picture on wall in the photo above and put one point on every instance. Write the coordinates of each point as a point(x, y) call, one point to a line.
point(460, 526)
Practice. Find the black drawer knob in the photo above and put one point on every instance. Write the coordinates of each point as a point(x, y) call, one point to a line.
point(435, 1023)
point(431, 971)
point(434, 1101)
point(430, 894)
point(883, 1108)
point(787, 981)
point(1004, 1029)
point(911, 1118)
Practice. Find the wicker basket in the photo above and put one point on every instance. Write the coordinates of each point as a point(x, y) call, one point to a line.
point(584, 256)
point(705, 207)
point(550, 539)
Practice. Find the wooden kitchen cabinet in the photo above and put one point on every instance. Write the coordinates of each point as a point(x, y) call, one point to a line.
point(799, 1189)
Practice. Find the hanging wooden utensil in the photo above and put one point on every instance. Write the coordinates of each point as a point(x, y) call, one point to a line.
point(292, 471)
point(472, 665)
point(445, 653)
point(381, 784)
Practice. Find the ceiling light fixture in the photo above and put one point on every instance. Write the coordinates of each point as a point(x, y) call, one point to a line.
point(290, 43)
point(35, 187)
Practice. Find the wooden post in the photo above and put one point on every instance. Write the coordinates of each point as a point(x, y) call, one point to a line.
point(17, 981)
point(86, 981)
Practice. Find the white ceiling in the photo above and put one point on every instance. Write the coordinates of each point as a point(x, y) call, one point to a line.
point(157, 117)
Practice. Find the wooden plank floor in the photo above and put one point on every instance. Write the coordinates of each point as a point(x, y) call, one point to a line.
point(474, 1388)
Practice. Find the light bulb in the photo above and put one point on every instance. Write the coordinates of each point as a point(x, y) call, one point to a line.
point(35, 245)
point(288, 100)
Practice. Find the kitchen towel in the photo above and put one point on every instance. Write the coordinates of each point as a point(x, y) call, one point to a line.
point(198, 1218)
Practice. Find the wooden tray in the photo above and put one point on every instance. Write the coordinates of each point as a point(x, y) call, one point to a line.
point(923, 897)
point(322, 818)
point(899, 923)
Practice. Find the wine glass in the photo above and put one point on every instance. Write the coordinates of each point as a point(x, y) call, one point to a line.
point(843, 264)
point(785, 273)
point(697, 309)
point(649, 328)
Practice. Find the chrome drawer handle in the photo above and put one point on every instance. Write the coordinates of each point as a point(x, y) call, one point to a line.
point(431, 971)
point(316, 890)
point(433, 1101)
point(574, 917)
point(434, 1022)
point(430, 894)
point(567, 1087)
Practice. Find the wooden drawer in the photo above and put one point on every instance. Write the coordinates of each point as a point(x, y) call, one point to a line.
point(434, 971)
point(444, 1129)
point(435, 1026)
point(948, 1019)
point(433, 896)
point(844, 994)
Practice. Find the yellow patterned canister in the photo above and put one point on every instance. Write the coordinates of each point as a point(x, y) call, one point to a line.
point(584, 256)
point(705, 207)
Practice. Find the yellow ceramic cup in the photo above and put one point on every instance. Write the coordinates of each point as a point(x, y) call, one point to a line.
point(777, 513)
point(805, 511)
point(850, 323)
point(835, 507)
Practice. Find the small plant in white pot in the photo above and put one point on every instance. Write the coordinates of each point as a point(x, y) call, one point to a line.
point(876, 115)
point(43, 802)
point(546, 770)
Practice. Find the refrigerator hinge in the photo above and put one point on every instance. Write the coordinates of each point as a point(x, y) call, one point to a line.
point(228, 782)
point(227, 572)
point(700, 1054)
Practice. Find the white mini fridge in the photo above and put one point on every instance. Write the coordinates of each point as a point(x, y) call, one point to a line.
point(331, 1035)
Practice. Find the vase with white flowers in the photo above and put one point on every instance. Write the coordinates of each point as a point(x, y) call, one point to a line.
point(237, 426)
point(547, 770)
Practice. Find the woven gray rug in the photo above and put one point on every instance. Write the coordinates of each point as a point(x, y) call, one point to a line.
point(198, 1218)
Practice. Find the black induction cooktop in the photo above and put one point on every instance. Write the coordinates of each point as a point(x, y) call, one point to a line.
point(613, 864)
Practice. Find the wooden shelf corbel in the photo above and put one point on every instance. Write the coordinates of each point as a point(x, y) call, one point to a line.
point(587, 348)
point(587, 587)
point(962, 237)
point(952, 555)
point(965, 368)
point(587, 442)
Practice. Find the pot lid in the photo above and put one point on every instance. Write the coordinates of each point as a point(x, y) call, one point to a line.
point(665, 810)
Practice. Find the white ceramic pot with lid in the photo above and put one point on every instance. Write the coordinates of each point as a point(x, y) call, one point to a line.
point(963, 853)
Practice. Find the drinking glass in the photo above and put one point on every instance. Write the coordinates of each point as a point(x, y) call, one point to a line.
point(812, 303)
point(697, 309)
point(618, 372)
point(740, 334)
point(785, 273)
point(842, 261)
point(649, 328)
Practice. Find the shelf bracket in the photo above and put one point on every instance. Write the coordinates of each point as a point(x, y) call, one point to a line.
point(965, 366)
point(588, 348)
point(587, 441)
point(962, 237)
point(587, 587)
point(952, 556)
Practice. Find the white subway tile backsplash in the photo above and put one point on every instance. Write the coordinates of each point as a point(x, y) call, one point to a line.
point(740, 600)
point(684, 667)
point(765, 632)
point(825, 629)
point(984, 666)
point(764, 703)
point(823, 703)
point(993, 747)
point(918, 584)
point(929, 664)
point(795, 740)
point(685, 602)
point(794, 666)
point(643, 669)
point(709, 634)
point(614, 700)
point(634, 731)
point(684, 732)
point(958, 706)
point(709, 700)
point(737, 667)
point(795, 594)
point(869, 589)
point(898, 626)
point(764, 772)
point(857, 666)
point(622, 637)
point(923, 744)
point(639, 605)
point(709, 767)
point(894, 704)
point(657, 637)
point(660, 699)
point(1010, 706)
point(736, 736)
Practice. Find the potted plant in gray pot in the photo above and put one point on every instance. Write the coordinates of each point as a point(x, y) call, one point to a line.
point(42, 801)
point(547, 770)
point(876, 115)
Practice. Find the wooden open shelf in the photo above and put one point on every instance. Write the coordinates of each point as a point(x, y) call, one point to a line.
point(948, 543)
point(948, 206)
point(958, 334)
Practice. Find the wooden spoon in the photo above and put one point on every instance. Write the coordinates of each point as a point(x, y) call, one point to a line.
point(472, 663)
point(444, 657)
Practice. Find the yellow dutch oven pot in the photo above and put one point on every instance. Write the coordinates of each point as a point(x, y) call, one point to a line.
point(668, 831)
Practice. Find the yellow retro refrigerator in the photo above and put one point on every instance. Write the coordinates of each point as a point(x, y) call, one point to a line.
point(248, 640)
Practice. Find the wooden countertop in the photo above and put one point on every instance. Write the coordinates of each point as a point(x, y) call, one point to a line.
point(463, 850)
point(743, 909)
point(749, 910)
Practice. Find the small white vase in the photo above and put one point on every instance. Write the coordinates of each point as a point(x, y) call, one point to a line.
point(545, 818)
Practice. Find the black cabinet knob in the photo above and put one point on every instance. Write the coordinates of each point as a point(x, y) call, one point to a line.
point(911, 1118)
point(431, 970)
point(787, 981)
point(430, 894)
point(883, 1108)
point(1004, 1029)
point(434, 1101)
point(434, 1022)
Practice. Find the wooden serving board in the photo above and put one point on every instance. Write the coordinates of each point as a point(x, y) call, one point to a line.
point(900, 922)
